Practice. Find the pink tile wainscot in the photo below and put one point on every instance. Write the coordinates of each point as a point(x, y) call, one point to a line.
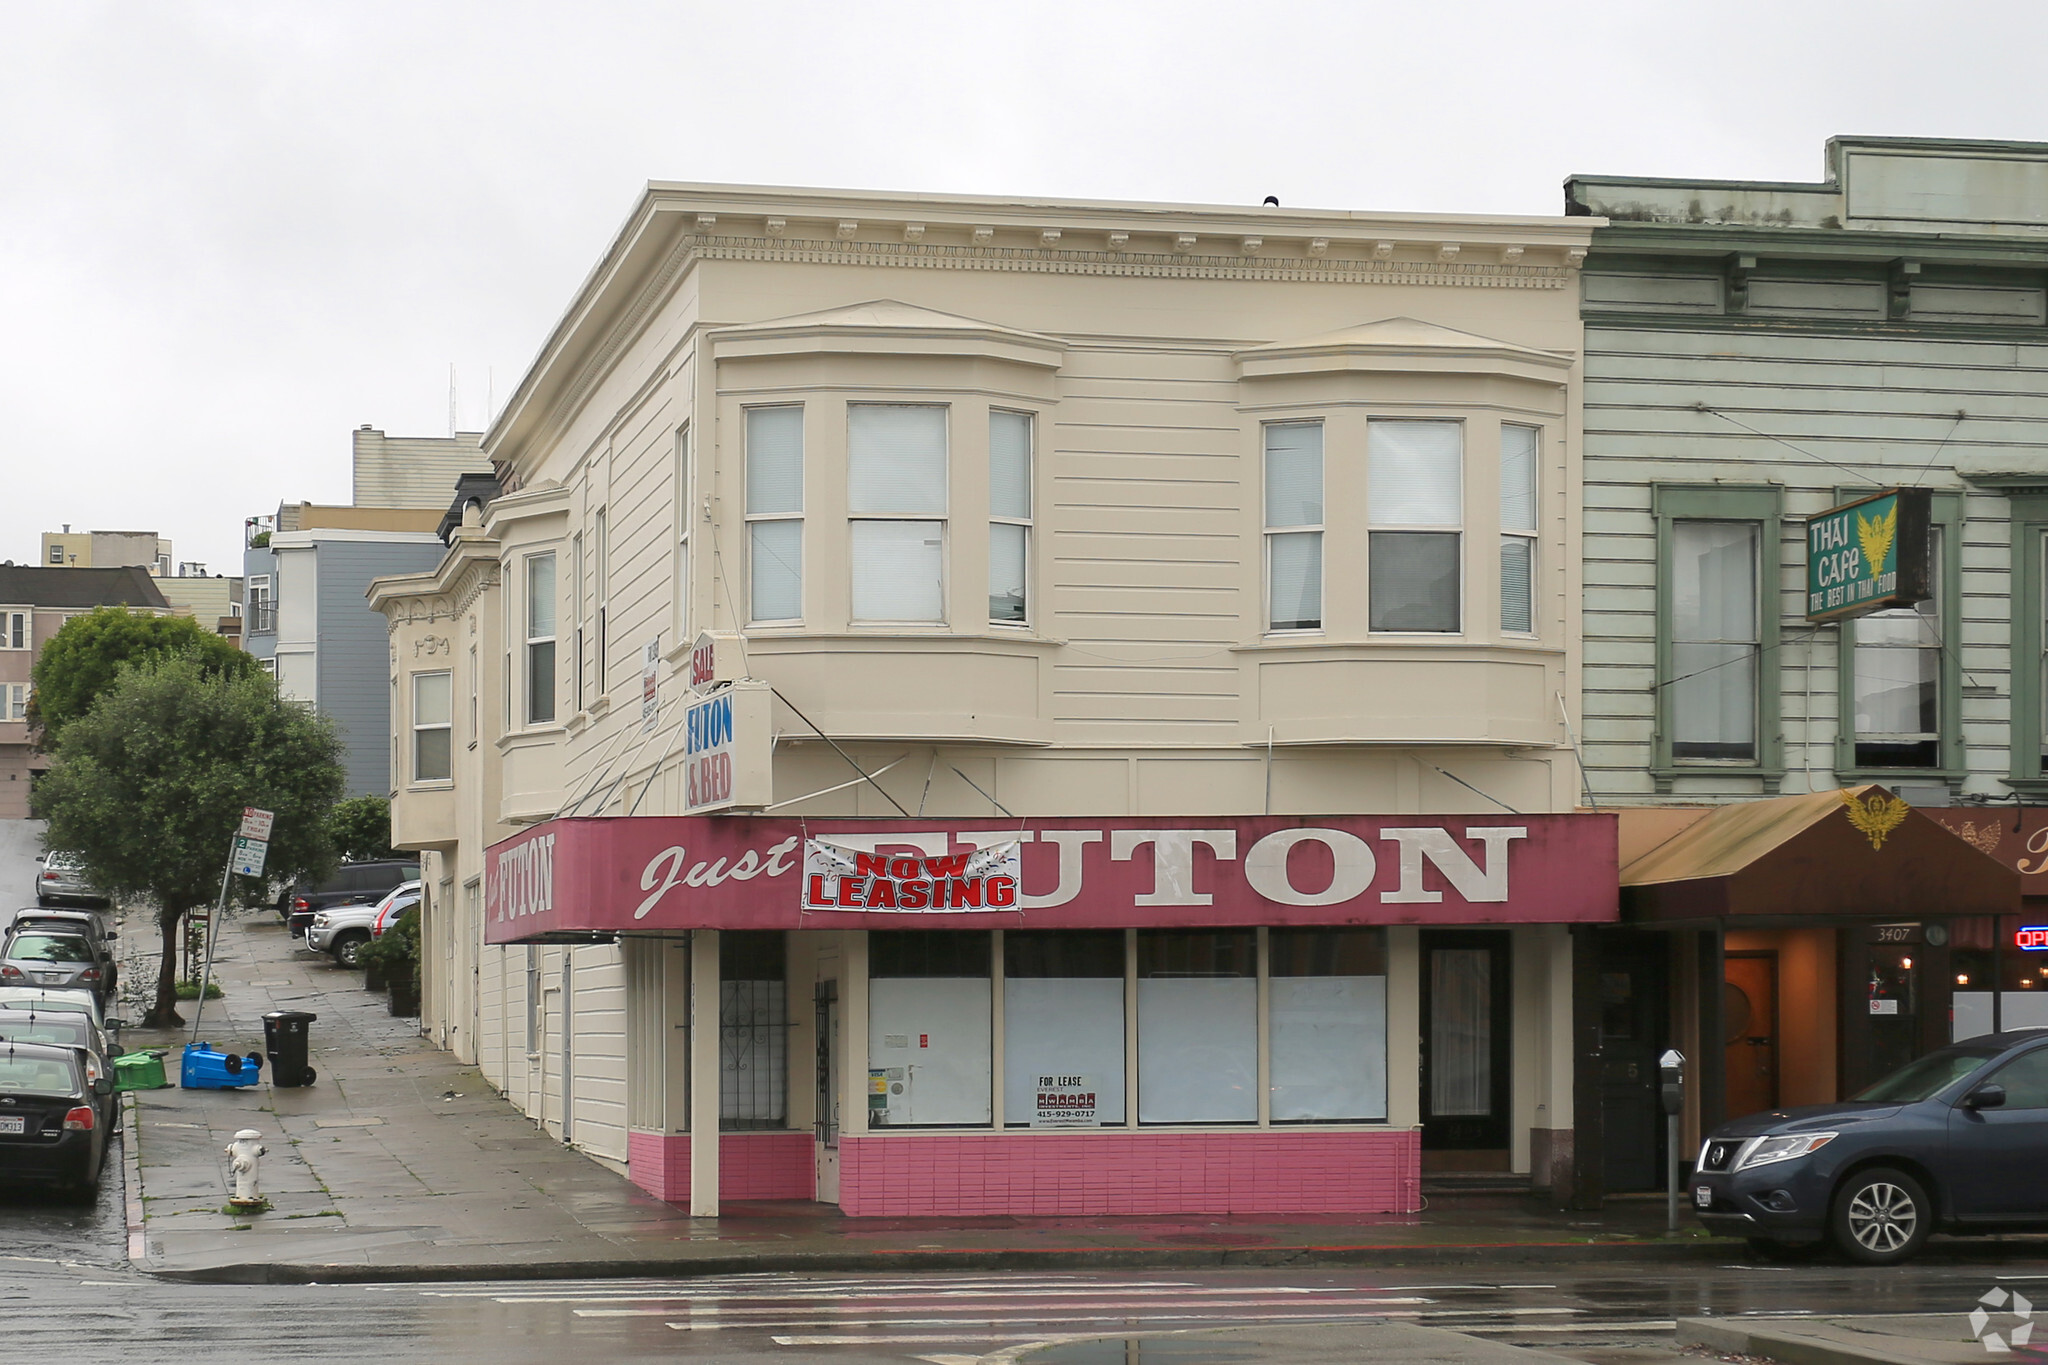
point(1064, 1174)
point(750, 1165)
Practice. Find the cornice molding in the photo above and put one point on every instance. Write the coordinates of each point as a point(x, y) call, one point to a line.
point(1056, 260)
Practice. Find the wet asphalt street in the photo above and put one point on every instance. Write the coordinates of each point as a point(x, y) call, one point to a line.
point(66, 1293)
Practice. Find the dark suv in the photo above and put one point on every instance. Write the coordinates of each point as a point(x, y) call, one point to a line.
point(1950, 1143)
point(353, 884)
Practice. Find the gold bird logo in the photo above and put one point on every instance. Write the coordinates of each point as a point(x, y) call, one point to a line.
point(1983, 838)
point(1875, 535)
point(1876, 817)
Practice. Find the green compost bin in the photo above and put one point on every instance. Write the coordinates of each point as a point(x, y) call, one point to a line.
point(139, 1071)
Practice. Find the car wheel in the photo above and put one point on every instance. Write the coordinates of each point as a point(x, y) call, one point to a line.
point(1881, 1216)
point(349, 947)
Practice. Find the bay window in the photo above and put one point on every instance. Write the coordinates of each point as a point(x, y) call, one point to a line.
point(1519, 448)
point(775, 506)
point(896, 496)
point(432, 729)
point(1414, 502)
point(1294, 525)
point(1009, 510)
point(540, 638)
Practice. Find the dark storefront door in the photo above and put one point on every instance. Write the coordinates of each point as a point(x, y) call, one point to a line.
point(1633, 1003)
point(1465, 1056)
point(1749, 1022)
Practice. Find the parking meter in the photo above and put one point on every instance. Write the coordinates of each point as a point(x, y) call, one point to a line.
point(1671, 1080)
point(1671, 1088)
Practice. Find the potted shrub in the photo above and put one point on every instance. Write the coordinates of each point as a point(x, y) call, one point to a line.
point(394, 960)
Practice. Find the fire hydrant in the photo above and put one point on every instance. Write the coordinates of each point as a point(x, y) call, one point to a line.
point(243, 1154)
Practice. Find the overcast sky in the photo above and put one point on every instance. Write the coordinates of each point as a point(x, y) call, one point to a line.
point(232, 232)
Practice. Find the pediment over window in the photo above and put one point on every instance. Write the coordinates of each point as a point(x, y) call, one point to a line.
point(1404, 345)
point(886, 327)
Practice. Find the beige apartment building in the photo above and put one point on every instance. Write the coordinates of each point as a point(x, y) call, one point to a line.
point(976, 706)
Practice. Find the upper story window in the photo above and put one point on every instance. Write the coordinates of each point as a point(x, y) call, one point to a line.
point(1897, 678)
point(684, 518)
point(775, 512)
point(540, 638)
point(1294, 525)
point(14, 705)
point(896, 497)
point(601, 584)
point(433, 758)
point(1716, 640)
point(1415, 503)
point(261, 608)
point(16, 630)
point(1009, 512)
point(1519, 447)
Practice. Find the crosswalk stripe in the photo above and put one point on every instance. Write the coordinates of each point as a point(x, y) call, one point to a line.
point(1654, 1325)
point(1113, 1291)
point(714, 1310)
point(928, 1339)
point(1134, 1320)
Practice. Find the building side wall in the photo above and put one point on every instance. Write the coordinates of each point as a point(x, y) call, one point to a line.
point(413, 471)
point(352, 678)
point(1861, 406)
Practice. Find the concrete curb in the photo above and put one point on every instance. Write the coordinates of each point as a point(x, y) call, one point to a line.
point(1788, 1348)
point(947, 1259)
point(131, 1180)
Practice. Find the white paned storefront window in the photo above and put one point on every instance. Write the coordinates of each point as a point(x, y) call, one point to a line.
point(896, 493)
point(1327, 998)
point(930, 1029)
point(1063, 1015)
point(1198, 1032)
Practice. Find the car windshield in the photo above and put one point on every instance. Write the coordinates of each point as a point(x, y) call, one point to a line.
point(69, 1002)
point(60, 1030)
point(1917, 1080)
point(49, 948)
point(36, 1075)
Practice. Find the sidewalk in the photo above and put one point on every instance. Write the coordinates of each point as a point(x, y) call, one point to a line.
point(1878, 1339)
point(402, 1164)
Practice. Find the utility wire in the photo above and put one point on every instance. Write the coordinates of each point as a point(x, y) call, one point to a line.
point(1716, 412)
point(841, 752)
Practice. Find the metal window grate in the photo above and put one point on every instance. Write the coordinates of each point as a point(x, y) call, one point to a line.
point(753, 1031)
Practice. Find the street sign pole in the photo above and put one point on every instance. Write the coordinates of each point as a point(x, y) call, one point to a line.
point(247, 853)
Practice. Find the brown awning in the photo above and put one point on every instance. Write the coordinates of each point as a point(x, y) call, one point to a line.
point(1856, 854)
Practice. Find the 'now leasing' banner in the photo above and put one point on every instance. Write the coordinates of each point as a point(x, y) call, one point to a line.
point(654, 873)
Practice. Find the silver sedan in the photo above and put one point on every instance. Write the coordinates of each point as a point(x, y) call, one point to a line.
point(35, 958)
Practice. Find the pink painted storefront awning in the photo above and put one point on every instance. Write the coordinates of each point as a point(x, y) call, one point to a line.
point(577, 877)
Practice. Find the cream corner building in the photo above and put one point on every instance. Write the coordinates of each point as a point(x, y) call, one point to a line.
point(1214, 520)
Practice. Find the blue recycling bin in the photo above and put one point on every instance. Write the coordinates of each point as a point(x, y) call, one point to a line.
point(202, 1068)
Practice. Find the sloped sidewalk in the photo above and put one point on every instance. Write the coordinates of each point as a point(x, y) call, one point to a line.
point(402, 1164)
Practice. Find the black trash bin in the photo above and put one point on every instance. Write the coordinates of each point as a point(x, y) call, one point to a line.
point(287, 1040)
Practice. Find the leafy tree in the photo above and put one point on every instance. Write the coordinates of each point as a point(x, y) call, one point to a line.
point(148, 786)
point(360, 829)
point(82, 660)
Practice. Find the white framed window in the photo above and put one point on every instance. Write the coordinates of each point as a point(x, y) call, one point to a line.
point(1198, 1026)
point(1327, 1024)
point(57, 554)
point(261, 608)
point(533, 1000)
point(1519, 450)
point(1009, 517)
point(1063, 1013)
point(1898, 678)
point(540, 638)
point(685, 517)
point(1415, 503)
point(601, 585)
point(17, 629)
point(896, 495)
point(14, 703)
point(433, 758)
point(476, 720)
point(576, 574)
point(775, 513)
point(1294, 525)
point(1715, 640)
point(930, 1030)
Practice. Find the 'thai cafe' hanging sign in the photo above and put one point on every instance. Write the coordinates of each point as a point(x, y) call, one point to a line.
point(1868, 555)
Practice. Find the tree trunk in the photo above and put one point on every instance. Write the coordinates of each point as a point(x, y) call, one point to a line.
point(164, 1014)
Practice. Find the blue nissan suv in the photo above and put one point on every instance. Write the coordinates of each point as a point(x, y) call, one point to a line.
point(1952, 1142)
